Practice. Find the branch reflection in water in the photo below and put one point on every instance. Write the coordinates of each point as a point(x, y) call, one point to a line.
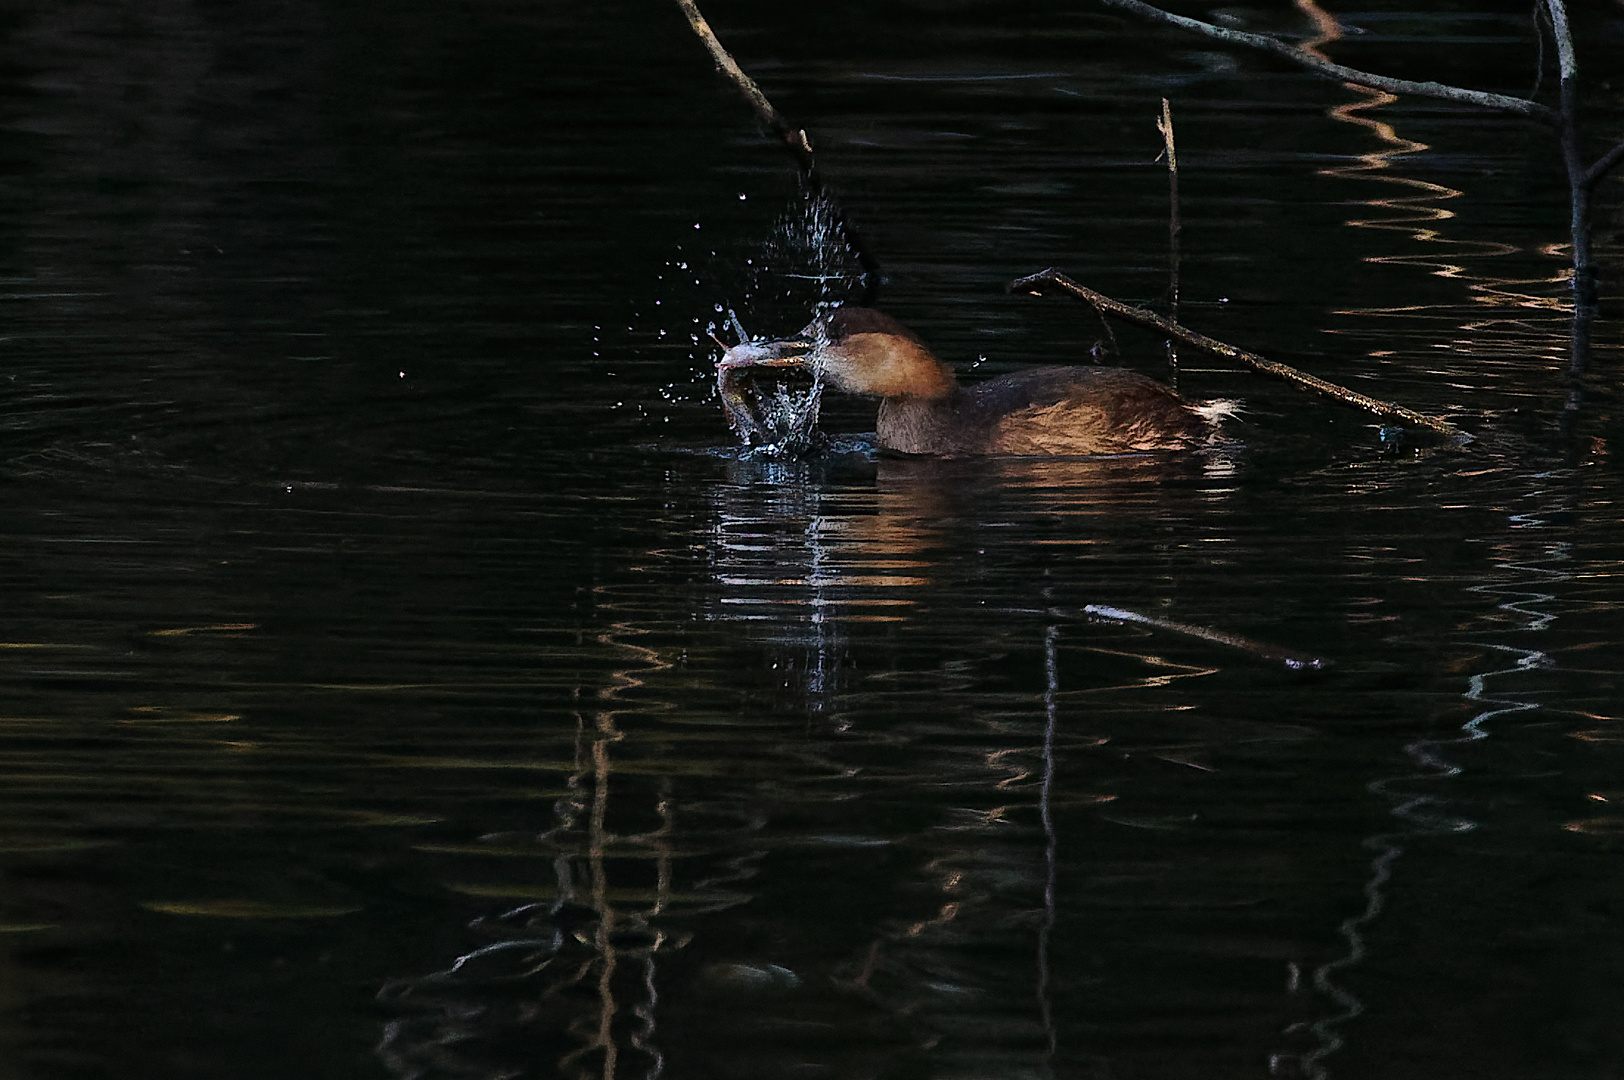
point(1501, 339)
point(1527, 312)
point(927, 803)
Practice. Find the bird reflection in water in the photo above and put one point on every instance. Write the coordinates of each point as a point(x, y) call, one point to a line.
point(657, 932)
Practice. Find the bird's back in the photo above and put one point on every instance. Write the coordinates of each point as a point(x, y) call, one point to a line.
point(1081, 410)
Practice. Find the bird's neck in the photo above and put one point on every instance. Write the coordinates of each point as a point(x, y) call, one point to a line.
point(936, 425)
point(892, 366)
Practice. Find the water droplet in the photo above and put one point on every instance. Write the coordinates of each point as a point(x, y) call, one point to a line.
point(741, 196)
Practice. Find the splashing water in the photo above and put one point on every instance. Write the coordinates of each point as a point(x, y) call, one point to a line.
point(808, 247)
point(790, 414)
point(774, 409)
point(805, 264)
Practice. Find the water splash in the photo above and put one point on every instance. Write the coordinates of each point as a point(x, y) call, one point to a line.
point(788, 418)
point(807, 258)
point(805, 265)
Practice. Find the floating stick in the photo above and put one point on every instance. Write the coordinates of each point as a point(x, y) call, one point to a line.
point(1293, 660)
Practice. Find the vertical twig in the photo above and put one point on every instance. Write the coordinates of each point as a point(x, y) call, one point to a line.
point(1165, 126)
point(1579, 187)
point(1584, 274)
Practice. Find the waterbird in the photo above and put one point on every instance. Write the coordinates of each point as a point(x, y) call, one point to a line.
point(924, 410)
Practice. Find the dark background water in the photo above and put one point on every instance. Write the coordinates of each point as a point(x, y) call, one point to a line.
point(381, 588)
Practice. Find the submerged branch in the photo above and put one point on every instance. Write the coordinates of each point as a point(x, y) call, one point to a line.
point(1533, 110)
point(794, 138)
point(1296, 661)
point(1038, 282)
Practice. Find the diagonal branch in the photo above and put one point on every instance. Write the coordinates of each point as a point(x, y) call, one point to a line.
point(1036, 283)
point(1533, 110)
point(793, 138)
point(1604, 165)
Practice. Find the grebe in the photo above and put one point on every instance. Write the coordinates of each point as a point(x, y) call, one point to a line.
point(923, 409)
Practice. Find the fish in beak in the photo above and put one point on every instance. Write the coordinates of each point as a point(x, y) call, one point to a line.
point(735, 381)
point(789, 352)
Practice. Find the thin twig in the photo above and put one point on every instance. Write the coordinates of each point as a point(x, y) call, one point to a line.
point(794, 138)
point(1112, 349)
point(1531, 109)
point(1036, 284)
point(1165, 126)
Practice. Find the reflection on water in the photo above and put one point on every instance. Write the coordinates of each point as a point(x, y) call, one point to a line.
point(1540, 303)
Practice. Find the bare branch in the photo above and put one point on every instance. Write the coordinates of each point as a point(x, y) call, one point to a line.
point(771, 118)
point(1036, 283)
point(794, 138)
point(1567, 125)
point(1566, 60)
point(1604, 165)
point(1533, 110)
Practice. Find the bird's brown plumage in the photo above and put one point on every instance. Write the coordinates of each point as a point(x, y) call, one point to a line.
point(1044, 410)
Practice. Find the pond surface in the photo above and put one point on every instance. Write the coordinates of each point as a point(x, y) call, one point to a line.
point(404, 676)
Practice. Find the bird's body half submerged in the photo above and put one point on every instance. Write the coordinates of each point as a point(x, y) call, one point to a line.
point(924, 410)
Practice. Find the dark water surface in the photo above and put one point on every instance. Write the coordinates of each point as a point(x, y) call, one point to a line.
point(403, 677)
